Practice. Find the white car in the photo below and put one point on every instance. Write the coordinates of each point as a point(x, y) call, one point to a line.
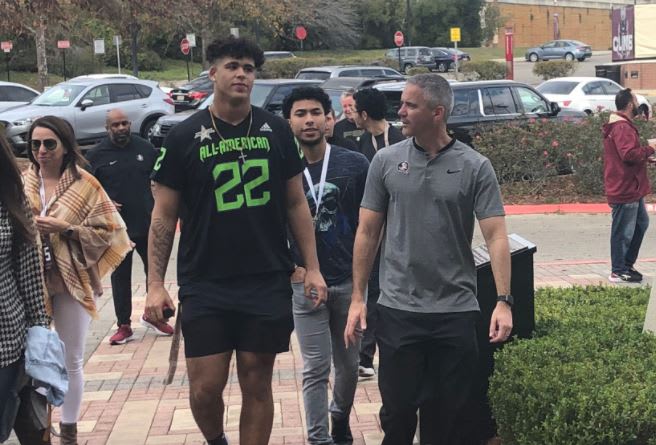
point(588, 94)
point(14, 94)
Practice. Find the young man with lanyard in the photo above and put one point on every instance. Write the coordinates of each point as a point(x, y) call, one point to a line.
point(233, 175)
point(369, 114)
point(427, 308)
point(334, 183)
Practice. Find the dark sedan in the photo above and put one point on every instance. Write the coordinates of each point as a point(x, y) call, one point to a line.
point(191, 94)
point(443, 59)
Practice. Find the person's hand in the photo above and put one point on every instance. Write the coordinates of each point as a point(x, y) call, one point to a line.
point(501, 323)
point(50, 224)
point(299, 275)
point(156, 300)
point(315, 287)
point(356, 323)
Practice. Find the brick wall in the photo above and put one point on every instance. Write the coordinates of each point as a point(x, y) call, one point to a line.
point(533, 24)
point(639, 76)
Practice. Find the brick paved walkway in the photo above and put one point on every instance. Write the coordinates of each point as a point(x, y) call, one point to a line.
point(125, 401)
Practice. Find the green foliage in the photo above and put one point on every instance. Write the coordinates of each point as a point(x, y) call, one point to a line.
point(417, 70)
point(527, 154)
point(554, 68)
point(492, 21)
point(587, 378)
point(148, 60)
point(486, 70)
point(79, 61)
point(433, 19)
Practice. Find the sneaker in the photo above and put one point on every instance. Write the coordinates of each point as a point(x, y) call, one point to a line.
point(366, 371)
point(624, 277)
point(634, 273)
point(122, 336)
point(160, 327)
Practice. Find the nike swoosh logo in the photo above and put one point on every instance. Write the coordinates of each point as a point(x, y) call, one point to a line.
point(453, 171)
point(113, 162)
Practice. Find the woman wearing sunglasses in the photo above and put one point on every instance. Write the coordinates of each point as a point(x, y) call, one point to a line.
point(83, 238)
point(22, 303)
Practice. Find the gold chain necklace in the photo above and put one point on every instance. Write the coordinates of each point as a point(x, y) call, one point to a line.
point(242, 155)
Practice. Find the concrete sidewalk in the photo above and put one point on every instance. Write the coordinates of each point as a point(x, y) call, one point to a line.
point(125, 402)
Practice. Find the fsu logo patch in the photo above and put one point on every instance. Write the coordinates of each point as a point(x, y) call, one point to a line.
point(403, 167)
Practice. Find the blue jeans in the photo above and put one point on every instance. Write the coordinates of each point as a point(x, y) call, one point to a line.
point(630, 222)
point(320, 333)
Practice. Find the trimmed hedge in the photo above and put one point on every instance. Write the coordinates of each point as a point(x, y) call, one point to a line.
point(554, 68)
point(417, 70)
point(488, 70)
point(587, 378)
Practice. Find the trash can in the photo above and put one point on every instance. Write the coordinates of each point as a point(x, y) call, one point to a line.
point(612, 72)
point(479, 423)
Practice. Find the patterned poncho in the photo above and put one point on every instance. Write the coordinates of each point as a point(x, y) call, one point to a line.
point(102, 240)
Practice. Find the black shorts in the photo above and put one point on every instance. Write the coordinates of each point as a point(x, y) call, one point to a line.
point(223, 331)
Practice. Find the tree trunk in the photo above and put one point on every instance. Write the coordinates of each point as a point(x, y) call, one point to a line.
point(41, 61)
point(134, 34)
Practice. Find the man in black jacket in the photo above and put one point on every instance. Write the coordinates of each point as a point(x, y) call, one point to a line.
point(122, 162)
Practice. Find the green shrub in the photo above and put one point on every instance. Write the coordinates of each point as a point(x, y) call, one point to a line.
point(148, 60)
point(554, 68)
point(587, 378)
point(287, 68)
point(79, 61)
point(488, 70)
point(417, 70)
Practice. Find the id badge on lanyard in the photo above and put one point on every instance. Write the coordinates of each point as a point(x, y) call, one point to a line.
point(322, 182)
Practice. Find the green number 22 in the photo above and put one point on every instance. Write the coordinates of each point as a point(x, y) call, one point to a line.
point(222, 204)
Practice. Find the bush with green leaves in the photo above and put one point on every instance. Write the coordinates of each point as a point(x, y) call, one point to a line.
point(487, 70)
point(587, 378)
point(148, 60)
point(554, 68)
point(417, 70)
point(287, 68)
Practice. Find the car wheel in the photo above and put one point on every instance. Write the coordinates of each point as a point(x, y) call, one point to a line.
point(569, 57)
point(441, 67)
point(533, 57)
point(147, 127)
point(406, 67)
point(581, 59)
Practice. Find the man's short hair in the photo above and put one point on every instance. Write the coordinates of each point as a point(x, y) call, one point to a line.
point(623, 99)
point(372, 101)
point(236, 47)
point(306, 93)
point(347, 93)
point(437, 91)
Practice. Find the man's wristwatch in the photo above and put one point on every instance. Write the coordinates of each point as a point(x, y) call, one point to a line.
point(508, 299)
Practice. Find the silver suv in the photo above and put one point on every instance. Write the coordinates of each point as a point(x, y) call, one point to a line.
point(329, 72)
point(412, 56)
point(84, 103)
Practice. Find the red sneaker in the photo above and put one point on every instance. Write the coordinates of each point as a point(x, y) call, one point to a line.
point(160, 327)
point(122, 336)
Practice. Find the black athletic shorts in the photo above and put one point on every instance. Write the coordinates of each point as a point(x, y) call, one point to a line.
point(251, 314)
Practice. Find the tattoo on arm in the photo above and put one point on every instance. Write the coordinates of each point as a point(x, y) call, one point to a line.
point(162, 233)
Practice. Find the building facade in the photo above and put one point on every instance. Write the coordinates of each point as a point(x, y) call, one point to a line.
point(537, 21)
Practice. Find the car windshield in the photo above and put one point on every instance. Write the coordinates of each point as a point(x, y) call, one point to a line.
point(559, 87)
point(577, 43)
point(59, 95)
point(260, 93)
point(313, 75)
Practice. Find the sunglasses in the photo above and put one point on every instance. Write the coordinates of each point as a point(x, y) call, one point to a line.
point(50, 144)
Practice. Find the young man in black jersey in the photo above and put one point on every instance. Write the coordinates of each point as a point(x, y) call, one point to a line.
point(232, 174)
point(334, 183)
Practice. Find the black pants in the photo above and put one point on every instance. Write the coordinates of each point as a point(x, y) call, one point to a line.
point(427, 363)
point(122, 281)
point(368, 344)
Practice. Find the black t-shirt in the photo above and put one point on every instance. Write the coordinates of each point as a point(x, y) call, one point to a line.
point(339, 212)
point(233, 209)
point(342, 142)
point(367, 147)
point(124, 173)
point(347, 130)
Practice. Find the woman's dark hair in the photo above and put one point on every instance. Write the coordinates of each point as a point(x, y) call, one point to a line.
point(12, 194)
point(66, 135)
point(236, 47)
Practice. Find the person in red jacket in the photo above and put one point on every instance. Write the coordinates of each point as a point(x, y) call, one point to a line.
point(626, 184)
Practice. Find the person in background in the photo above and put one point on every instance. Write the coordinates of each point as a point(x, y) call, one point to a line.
point(83, 238)
point(335, 140)
point(346, 127)
point(22, 298)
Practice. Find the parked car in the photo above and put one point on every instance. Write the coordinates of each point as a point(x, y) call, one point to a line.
point(412, 56)
point(85, 103)
point(485, 102)
point(267, 94)
point(14, 94)
point(191, 94)
point(327, 72)
point(588, 94)
point(559, 49)
point(275, 55)
point(444, 60)
point(462, 56)
point(336, 86)
point(105, 76)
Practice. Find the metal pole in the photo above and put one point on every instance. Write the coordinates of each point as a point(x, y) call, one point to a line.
point(7, 61)
point(456, 57)
point(188, 75)
point(118, 57)
point(399, 52)
point(191, 56)
point(64, 57)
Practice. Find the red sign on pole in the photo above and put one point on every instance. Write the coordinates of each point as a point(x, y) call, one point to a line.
point(6, 46)
point(509, 55)
point(63, 44)
point(398, 38)
point(184, 46)
point(300, 32)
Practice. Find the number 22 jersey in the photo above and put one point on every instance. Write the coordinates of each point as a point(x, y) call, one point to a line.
point(232, 184)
